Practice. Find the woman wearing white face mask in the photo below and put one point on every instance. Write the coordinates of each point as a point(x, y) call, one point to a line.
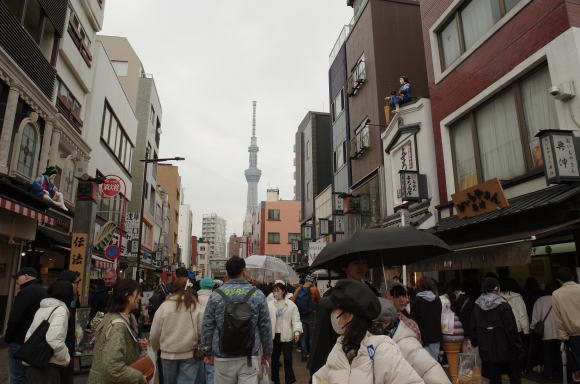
point(359, 357)
point(286, 327)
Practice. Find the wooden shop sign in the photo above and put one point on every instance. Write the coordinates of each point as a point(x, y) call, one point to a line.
point(480, 199)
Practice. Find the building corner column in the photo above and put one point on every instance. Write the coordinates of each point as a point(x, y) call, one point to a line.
point(46, 142)
point(8, 127)
point(55, 142)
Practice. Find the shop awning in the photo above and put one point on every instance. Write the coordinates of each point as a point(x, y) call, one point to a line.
point(102, 263)
point(547, 197)
point(25, 210)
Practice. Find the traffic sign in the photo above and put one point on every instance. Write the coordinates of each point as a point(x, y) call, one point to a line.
point(112, 252)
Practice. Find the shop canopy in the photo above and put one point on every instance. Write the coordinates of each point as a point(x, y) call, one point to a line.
point(505, 237)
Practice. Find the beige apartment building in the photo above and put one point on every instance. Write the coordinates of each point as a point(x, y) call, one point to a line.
point(168, 178)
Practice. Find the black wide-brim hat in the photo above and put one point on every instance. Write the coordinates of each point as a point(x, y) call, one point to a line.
point(353, 297)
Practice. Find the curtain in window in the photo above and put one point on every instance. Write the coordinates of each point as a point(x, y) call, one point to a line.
point(509, 4)
point(27, 152)
point(499, 138)
point(477, 18)
point(539, 109)
point(464, 155)
point(450, 42)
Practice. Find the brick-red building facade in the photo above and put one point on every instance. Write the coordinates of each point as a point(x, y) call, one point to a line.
point(534, 26)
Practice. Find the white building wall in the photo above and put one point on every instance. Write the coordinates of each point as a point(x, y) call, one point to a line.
point(419, 114)
point(106, 86)
point(214, 231)
point(184, 234)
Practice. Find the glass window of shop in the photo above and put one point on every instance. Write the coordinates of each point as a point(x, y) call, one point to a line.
point(370, 204)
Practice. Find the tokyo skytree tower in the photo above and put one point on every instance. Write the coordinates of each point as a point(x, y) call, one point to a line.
point(253, 174)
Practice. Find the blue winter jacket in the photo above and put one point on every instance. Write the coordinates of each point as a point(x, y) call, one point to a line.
point(213, 318)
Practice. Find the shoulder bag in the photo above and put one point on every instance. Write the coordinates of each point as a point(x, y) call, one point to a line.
point(539, 328)
point(36, 351)
point(144, 364)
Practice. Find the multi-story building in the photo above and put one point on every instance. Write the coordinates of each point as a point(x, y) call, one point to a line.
point(203, 257)
point(41, 124)
point(500, 73)
point(169, 179)
point(279, 225)
point(143, 97)
point(377, 52)
point(235, 243)
point(112, 138)
point(184, 234)
point(313, 169)
point(213, 230)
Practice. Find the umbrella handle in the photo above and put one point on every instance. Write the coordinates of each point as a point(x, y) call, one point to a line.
point(384, 274)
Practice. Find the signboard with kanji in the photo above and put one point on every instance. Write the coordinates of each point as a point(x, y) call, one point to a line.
point(78, 259)
point(480, 199)
point(560, 158)
point(315, 247)
point(403, 158)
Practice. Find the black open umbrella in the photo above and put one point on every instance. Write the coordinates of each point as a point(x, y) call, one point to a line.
point(383, 246)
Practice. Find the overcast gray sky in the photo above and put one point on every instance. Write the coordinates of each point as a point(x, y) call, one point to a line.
point(210, 59)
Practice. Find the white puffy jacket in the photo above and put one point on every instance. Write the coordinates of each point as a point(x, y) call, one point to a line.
point(56, 334)
point(418, 357)
point(384, 365)
point(291, 323)
point(516, 301)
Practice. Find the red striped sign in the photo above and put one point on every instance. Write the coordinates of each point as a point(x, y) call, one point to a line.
point(25, 211)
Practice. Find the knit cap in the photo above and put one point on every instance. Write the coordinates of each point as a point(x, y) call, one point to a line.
point(206, 283)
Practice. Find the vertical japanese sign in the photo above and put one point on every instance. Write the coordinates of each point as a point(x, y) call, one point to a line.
point(78, 261)
point(403, 158)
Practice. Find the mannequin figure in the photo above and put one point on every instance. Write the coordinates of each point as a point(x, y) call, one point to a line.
point(44, 188)
point(402, 96)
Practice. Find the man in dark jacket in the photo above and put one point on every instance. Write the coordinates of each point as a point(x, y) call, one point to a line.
point(67, 373)
point(495, 332)
point(99, 299)
point(26, 302)
point(426, 311)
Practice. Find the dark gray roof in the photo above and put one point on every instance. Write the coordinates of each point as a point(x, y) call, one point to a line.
point(534, 200)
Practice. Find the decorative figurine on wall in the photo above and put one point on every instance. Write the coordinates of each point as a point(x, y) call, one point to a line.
point(44, 188)
point(402, 96)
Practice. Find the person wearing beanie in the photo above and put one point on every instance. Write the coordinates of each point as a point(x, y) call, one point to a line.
point(359, 356)
point(389, 323)
point(495, 332)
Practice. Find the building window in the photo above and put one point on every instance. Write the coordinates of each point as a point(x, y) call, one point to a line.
point(308, 191)
point(294, 237)
point(67, 181)
point(28, 150)
point(498, 138)
point(358, 76)
point(338, 105)
point(273, 214)
point(468, 24)
point(339, 156)
point(152, 115)
point(273, 238)
point(308, 149)
point(79, 37)
point(152, 202)
point(115, 138)
point(68, 105)
point(361, 141)
point(121, 67)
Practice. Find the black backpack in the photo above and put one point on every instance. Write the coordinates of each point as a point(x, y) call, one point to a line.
point(237, 335)
point(36, 351)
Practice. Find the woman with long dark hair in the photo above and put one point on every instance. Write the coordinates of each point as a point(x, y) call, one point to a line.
point(117, 345)
point(359, 357)
point(176, 331)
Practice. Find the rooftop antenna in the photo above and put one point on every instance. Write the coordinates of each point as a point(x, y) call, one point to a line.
point(254, 118)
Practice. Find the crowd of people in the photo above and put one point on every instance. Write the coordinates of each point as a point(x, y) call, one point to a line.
point(242, 332)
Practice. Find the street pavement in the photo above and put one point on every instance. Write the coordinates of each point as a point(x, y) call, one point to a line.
point(299, 370)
